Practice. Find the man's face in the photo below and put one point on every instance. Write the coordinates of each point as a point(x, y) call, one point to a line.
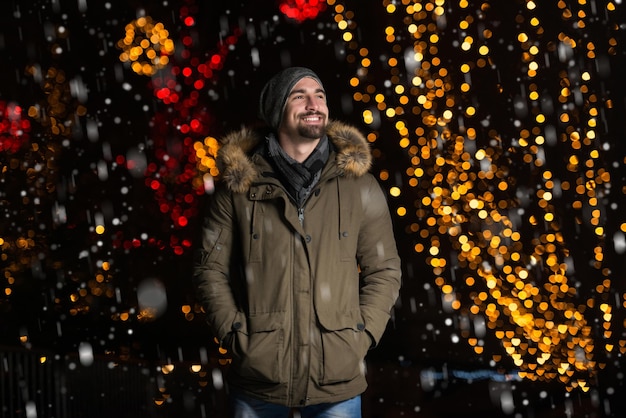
point(306, 112)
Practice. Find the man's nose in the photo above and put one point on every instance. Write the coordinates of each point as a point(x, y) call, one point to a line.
point(311, 103)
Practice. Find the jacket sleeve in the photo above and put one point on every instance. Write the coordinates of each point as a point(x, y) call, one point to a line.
point(211, 265)
point(378, 260)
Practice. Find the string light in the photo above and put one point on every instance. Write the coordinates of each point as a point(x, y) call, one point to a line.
point(14, 129)
point(57, 115)
point(301, 10)
point(467, 216)
point(146, 46)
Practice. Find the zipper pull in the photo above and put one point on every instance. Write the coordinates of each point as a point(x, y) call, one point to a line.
point(301, 216)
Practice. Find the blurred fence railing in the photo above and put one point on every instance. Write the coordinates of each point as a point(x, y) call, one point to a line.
point(29, 385)
point(39, 384)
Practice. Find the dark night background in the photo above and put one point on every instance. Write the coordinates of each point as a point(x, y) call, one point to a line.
point(95, 144)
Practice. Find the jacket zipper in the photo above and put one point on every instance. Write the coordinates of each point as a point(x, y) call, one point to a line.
point(316, 192)
point(301, 215)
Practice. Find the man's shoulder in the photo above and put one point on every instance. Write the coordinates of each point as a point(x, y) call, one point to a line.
point(353, 154)
point(236, 161)
point(246, 139)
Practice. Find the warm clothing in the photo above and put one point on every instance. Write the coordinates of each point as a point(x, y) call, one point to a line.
point(298, 178)
point(297, 295)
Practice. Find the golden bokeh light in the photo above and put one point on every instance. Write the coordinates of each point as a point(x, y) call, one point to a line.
point(465, 193)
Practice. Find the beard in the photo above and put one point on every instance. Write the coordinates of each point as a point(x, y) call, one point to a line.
point(312, 132)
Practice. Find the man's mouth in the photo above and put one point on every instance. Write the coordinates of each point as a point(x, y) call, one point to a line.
point(312, 118)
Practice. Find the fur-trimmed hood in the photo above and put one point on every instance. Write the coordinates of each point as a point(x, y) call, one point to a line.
point(238, 171)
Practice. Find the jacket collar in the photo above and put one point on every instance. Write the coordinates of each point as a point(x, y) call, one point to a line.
point(238, 169)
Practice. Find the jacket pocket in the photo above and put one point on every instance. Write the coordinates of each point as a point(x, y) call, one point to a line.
point(258, 347)
point(344, 345)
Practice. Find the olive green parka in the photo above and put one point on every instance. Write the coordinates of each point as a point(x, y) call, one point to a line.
point(297, 295)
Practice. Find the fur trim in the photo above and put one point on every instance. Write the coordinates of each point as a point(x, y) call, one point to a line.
point(354, 158)
point(239, 172)
point(233, 162)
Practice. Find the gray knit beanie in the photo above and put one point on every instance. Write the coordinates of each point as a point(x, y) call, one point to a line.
point(274, 94)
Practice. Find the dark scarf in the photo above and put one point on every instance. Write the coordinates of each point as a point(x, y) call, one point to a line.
point(299, 178)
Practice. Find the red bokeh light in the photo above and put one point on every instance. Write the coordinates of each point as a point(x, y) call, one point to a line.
point(172, 174)
point(14, 131)
point(301, 10)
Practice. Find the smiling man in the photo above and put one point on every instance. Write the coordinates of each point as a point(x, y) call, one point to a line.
point(297, 269)
point(304, 119)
